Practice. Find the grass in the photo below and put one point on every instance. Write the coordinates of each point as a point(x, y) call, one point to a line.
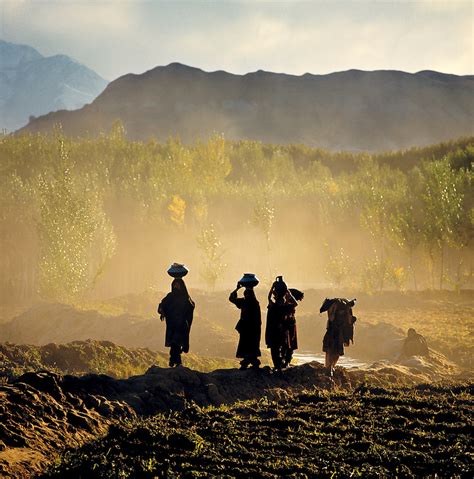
point(100, 357)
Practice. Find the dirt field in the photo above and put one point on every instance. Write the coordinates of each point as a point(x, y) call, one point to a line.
point(368, 433)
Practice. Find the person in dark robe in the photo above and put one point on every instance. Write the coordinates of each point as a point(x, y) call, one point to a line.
point(280, 332)
point(339, 329)
point(414, 345)
point(177, 309)
point(249, 327)
point(291, 341)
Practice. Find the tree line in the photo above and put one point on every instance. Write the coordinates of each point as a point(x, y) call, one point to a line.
point(69, 207)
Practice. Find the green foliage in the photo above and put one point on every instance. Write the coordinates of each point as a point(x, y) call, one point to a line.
point(212, 254)
point(263, 216)
point(75, 235)
point(67, 204)
point(378, 273)
point(338, 268)
point(443, 197)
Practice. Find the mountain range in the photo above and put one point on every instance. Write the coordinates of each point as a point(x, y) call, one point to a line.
point(32, 85)
point(350, 110)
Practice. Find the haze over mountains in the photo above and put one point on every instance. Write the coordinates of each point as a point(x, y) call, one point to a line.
point(31, 84)
point(353, 110)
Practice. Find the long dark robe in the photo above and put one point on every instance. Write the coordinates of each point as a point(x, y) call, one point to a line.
point(249, 326)
point(281, 326)
point(177, 308)
point(339, 330)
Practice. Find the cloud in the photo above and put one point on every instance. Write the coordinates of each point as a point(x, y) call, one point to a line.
point(289, 36)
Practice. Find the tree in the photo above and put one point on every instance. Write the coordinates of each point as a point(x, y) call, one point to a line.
point(262, 219)
point(211, 248)
point(338, 268)
point(442, 201)
point(177, 210)
point(76, 238)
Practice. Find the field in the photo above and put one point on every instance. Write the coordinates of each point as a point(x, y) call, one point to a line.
point(405, 419)
point(369, 432)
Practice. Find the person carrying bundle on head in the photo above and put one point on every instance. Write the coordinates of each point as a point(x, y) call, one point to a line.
point(249, 325)
point(339, 329)
point(280, 333)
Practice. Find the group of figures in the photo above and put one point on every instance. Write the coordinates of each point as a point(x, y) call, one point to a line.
point(177, 309)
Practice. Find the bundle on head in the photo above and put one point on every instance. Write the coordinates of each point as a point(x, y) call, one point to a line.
point(297, 294)
point(327, 303)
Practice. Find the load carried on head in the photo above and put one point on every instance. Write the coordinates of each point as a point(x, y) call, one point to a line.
point(250, 322)
point(281, 331)
point(339, 329)
point(178, 270)
point(177, 309)
point(248, 280)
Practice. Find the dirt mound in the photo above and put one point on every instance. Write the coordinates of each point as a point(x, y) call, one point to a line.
point(444, 318)
point(57, 323)
point(43, 412)
point(60, 323)
point(81, 357)
point(40, 418)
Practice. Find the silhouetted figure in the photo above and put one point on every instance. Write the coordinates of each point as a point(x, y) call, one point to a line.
point(249, 327)
point(414, 345)
point(177, 309)
point(280, 332)
point(339, 329)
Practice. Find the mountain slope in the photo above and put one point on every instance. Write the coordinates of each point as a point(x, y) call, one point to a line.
point(31, 84)
point(353, 110)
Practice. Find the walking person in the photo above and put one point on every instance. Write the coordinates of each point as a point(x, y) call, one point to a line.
point(280, 332)
point(339, 329)
point(177, 309)
point(249, 327)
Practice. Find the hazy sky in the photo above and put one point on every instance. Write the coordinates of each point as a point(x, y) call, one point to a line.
point(121, 36)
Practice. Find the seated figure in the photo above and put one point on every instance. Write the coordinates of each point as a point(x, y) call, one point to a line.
point(414, 345)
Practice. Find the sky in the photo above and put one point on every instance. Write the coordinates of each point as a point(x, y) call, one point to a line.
point(116, 37)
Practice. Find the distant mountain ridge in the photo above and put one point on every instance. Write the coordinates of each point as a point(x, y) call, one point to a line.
point(31, 84)
point(350, 110)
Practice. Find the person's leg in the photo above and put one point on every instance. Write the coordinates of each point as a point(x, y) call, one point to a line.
point(178, 361)
point(276, 357)
point(333, 357)
point(244, 364)
point(255, 362)
point(327, 360)
point(175, 355)
point(288, 356)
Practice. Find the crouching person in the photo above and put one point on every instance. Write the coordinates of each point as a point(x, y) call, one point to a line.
point(249, 327)
point(414, 345)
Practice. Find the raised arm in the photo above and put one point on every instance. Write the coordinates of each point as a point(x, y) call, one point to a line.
point(233, 296)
